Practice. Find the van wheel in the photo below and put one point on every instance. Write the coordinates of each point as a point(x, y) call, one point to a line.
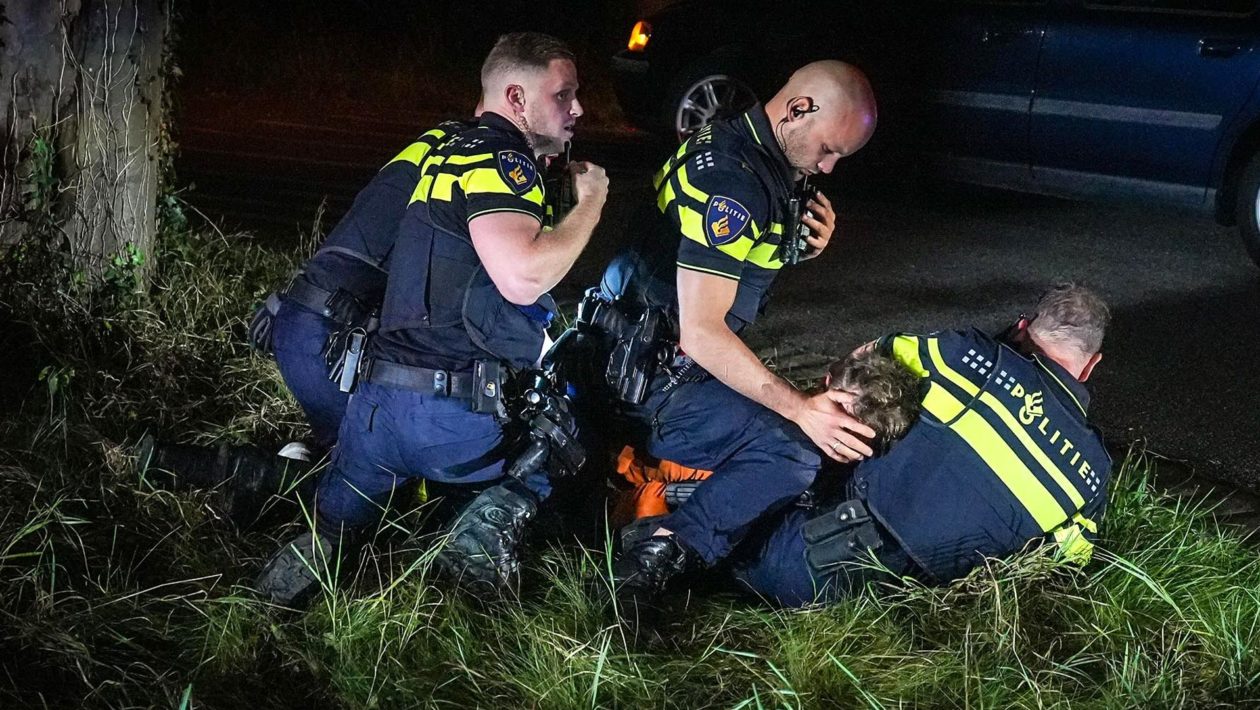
point(1247, 208)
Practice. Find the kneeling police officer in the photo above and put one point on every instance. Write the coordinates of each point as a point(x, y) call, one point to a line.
point(466, 305)
point(1002, 455)
point(726, 220)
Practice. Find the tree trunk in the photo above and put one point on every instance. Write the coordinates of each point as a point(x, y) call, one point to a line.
point(88, 74)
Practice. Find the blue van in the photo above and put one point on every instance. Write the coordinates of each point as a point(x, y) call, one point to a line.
point(1152, 100)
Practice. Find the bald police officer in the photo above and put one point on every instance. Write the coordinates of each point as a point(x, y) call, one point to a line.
point(716, 238)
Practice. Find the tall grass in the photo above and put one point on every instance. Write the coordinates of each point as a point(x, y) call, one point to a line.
point(113, 594)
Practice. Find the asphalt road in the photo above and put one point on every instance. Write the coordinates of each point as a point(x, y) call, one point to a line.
point(1185, 298)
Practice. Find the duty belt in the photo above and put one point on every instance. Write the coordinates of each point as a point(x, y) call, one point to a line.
point(340, 305)
point(482, 388)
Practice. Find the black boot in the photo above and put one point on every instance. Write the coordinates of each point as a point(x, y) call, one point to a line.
point(294, 574)
point(641, 573)
point(481, 549)
point(243, 477)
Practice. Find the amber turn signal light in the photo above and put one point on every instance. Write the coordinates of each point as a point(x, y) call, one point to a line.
point(639, 36)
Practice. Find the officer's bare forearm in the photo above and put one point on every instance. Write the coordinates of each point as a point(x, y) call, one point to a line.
point(525, 261)
point(556, 250)
point(722, 354)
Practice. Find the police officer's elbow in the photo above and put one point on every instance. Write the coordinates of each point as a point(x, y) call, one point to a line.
point(693, 342)
point(521, 290)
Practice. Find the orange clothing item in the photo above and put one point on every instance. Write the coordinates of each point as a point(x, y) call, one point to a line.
point(648, 476)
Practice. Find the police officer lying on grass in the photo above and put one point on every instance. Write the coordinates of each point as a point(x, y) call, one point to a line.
point(1002, 455)
point(721, 229)
point(466, 302)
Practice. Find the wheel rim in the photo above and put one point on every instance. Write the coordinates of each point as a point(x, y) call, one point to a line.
point(714, 96)
point(1256, 207)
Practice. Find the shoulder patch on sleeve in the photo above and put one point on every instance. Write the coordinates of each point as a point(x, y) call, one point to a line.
point(724, 220)
point(517, 170)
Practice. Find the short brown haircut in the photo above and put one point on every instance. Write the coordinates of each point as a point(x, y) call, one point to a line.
point(523, 50)
point(1070, 314)
point(887, 393)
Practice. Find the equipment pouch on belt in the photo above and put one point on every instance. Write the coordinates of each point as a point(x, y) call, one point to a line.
point(487, 394)
point(260, 326)
point(844, 534)
point(348, 347)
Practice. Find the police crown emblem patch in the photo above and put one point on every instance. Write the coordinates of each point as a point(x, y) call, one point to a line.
point(517, 170)
point(724, 220)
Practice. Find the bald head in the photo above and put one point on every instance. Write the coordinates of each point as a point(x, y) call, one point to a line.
point(825, 111)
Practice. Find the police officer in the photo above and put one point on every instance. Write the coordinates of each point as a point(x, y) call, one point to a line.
point(1002, 455)
point(467, 300)
point(715, 243)
point(336, 293)
point(341, 287)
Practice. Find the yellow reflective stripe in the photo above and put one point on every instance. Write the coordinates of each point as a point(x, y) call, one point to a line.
point(1073, 545)
point(1020, 433)
point(766, 256)
point(665, 197)
point(442, 186)
point(691, 224)
point(997, 454)
point(1009, 420)
point(413, 153)
point(941, 404)
point(753, 128)
point(905, 350)
point(715, 272)
point(422, 189)
point(488, 181)
point(776, 228)
point(688, 189)
point(481, 181)
point(934, 351)
point(469, 159)
point(1085, 523)
point(1006, 465)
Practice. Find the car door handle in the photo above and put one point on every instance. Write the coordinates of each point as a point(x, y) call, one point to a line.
point(1219, 47)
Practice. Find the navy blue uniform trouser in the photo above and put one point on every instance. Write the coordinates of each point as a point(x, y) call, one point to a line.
point(760, 461)
point(391, 435)
point(771, 564)
point(298, 339)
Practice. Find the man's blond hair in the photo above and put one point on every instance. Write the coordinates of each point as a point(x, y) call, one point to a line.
point(887, 393)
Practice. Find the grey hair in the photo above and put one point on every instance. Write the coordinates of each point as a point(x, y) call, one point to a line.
point(1070, 314)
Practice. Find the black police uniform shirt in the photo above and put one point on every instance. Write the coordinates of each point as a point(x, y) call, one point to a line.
point(355, 254)
point(721, 209)
point(441, 309)
point(1002, 454)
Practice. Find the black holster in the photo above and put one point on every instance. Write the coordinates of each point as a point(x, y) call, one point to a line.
point(843, 534)
point(639, 346)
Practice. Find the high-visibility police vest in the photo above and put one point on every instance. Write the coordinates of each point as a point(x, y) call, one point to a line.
point(441, 308)
point(1001, 455)
point(354, 256)
point(721, 207)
